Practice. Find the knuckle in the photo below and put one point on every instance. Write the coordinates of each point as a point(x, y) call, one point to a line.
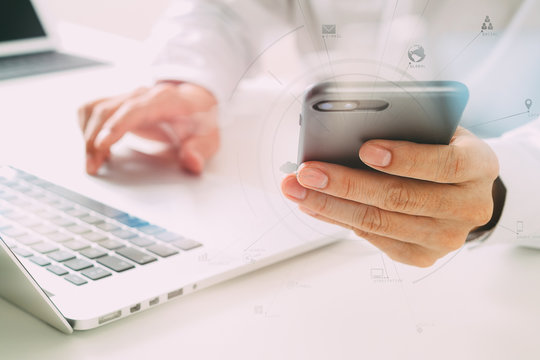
point(370, 219)
point(163, 89)
point(453, 166)
point(323, 205)
point(84, 110)
point(483, 213)
point(101, 110)
point(450, 240)
point(424, 260)
point(397, 196)
point(348, 187)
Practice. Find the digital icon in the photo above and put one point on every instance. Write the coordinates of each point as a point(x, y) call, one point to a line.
point(329, 29)
point(528, 104)
point(416, 53)
point(487, 25)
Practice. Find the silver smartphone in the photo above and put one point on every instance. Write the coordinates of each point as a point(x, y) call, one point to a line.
point(338, 117)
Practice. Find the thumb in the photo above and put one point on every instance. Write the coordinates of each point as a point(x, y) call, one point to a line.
point(195, 150)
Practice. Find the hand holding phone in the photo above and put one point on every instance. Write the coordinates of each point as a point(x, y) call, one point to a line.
point(338, 117)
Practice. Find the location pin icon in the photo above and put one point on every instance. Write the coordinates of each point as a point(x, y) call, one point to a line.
point(528, 104)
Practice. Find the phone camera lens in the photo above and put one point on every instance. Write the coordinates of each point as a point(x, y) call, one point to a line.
point(325, 106)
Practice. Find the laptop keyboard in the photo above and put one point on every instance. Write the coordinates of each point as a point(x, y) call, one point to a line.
point(75, 237)
point(40, 63)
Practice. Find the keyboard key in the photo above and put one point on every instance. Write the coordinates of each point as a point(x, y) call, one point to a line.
point(142, 242)
point(186, 244)
point(78, 229)
point(35, 194)
point(61, 255)
point(46, 214)
point(162, 250)
point(45, 248)
point(167, 236)
point(14, 215)
point(8, 196)
point(151, 229)
point(78, 213)
point(124, 234)
point(49, 200)
point(108, 226)
point(12, 231)
point(40, 261)
point(114, 263)
point(62, 221)
point(94, 236)
point(22, 252)
point(76, 245)
point(74, 279)
point(92, 253)
point(95, 273)
point(78, 264)
point(58, 270)
point(135, 255)
point(93, 220)
point(59, 237)
point(28, 222)
point(44, 229)
point(29, 239)
point(10, 243)
point(20, 202)
point(111, 244)
point(62, 206)
point(130, 221)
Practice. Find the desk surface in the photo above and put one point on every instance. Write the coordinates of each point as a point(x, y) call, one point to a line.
point(343, 301)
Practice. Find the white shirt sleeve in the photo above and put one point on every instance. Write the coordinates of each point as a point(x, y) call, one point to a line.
point(519, 158)
point(212, 43)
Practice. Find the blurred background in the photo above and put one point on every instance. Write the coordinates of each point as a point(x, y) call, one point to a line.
point(110, 16)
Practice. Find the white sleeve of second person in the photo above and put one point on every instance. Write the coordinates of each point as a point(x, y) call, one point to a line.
point(210, 43)
point(519, 158)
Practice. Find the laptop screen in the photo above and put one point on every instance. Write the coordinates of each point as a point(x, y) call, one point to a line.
point(19, 21)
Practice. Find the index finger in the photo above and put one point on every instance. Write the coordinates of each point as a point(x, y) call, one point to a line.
point(466, 158)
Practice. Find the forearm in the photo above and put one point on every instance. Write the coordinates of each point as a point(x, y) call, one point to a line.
point(519, 158)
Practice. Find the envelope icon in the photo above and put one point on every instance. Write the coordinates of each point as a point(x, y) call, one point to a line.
point(329, 29)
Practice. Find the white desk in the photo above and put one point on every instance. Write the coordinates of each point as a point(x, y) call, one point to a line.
point(345, 301)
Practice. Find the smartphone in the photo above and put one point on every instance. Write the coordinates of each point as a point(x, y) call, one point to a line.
point(338, 117)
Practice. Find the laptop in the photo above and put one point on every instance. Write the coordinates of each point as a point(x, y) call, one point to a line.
point(27, 46)
point(77, 263)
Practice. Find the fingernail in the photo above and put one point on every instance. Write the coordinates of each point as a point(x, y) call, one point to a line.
point(312, 177)
point(375, 155)
point(295, 190)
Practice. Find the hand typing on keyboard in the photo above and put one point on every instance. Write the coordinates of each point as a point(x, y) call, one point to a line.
point(181, 115)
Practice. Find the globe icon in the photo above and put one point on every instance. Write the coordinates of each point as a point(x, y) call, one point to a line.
point(416, 53)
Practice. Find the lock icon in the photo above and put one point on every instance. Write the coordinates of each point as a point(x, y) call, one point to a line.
point(490, 27)
point(484, 27)
point(487, 19)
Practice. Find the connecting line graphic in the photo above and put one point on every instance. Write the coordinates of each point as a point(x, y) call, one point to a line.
point(248, 68)
point(267, 231)
point(440, 267)
point(313, 43)
point(274, 77)
point(458, 55)
point(414, 32)
point(505, 228)
point(499, 119)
